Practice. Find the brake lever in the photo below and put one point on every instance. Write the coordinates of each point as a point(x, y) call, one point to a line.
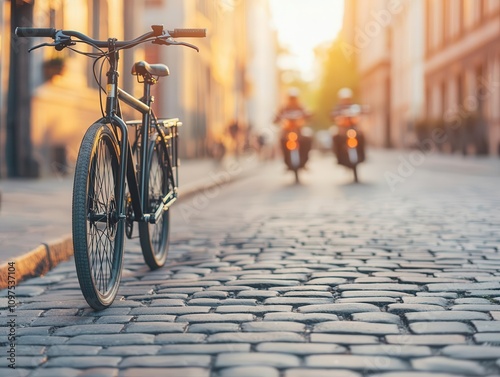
point(169, 42)
point(42, 45)
point(188, 45)
point(60, 42)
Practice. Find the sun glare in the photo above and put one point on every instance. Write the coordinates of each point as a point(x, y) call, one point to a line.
point(302, 25)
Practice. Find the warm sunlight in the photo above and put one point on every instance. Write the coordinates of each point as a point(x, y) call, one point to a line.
point(304, 24)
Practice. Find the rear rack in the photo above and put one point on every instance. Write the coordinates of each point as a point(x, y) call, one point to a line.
point(169, 131)
point(167, 123)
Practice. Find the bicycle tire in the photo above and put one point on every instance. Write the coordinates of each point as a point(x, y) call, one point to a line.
point(98, 233)
point(154, 238)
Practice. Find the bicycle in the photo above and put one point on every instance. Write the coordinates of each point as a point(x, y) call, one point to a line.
point(103, 210)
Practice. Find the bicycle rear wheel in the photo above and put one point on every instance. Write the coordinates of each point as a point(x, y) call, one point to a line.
point(98, 232)
point(155, 237)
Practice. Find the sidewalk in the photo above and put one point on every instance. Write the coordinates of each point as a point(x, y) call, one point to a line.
point(35, 215)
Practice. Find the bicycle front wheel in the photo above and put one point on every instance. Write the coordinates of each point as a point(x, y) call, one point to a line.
point(98, 232)
point(155, 237)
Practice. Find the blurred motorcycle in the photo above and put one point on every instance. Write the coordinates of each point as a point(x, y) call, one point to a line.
point(294, 144)
point(349, 142)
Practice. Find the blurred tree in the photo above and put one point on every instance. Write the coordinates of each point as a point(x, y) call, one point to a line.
point(337, 71)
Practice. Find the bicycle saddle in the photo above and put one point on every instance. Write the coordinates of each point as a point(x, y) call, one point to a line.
point(143, 68)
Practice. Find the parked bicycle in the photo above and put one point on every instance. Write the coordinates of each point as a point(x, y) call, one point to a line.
point(103, 208)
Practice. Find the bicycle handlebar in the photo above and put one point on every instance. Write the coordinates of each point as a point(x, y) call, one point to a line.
point(31, 32)
point(158, 31)
point(188, 33)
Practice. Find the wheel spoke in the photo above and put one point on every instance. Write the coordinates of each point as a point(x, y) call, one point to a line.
point(154, 237)
point(100, 229)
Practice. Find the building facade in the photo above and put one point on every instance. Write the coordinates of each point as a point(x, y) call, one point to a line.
point(61, 98)
point(367, 33)
point(462, 72)
point(428, 65)
point(407, 86)
point(233, 79)
point(263, 85)
point(205, 89)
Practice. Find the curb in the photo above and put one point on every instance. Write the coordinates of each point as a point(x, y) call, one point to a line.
point(45, 257)
point(38, 261)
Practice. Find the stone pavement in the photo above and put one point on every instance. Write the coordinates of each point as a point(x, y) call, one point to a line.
point(270, 279)
point(35, 215)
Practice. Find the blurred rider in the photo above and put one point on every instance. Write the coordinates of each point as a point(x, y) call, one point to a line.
point(292, 117)
point(345, 101)
point(292, 109)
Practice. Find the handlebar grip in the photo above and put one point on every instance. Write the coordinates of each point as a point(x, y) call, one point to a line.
point(31, 32)
point(188, 33)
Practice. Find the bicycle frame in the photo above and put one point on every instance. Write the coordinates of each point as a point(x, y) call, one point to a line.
point(136, 183)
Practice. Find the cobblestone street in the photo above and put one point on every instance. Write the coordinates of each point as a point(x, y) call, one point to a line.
point(270, 279)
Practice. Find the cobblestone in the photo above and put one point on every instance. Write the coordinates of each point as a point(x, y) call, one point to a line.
point(113, 319)
point(473, 352)
point(344, 339)
point(253, 309)
point(377, 293)
point(58, 320)
point(487, 326)
point(56, 372)
point(166, 361)
point(68, 350)
point(277, 360)
point(370, 285)
point(258, 337)
point(214, 348)
point(273, 326)
point(487, 337)
point(300, 317)
point(445, 364)
point(404, 351)
point(380, 287)
point(339, 308)
point(300, 348)
point(257, 294)
point(356, 328)
point(155, 318)
point(83, 361)
point(210, 294)
point(215, 317)
point(429, 340)
point(320, 373)
point(477, 308)
point(166, 371)
point(112, 339)
point(172, 310)
point(89, 329)
point(307, 294)
point(297, 301)
point(249, 371)
point(155, 327)
point(213, 327)
point(41, 340)
point(440, 328)
point(448, 315)
point(364, 363)
point(377, 317)
point(406, 308)
point(130, 350)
